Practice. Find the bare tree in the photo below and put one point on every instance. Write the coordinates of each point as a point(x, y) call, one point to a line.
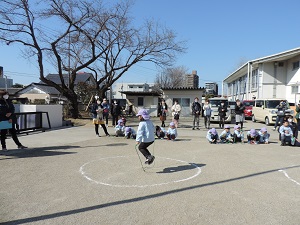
point(171, 77)
point(90, 36)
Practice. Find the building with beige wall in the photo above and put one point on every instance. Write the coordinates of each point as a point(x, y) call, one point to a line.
point(274, 76)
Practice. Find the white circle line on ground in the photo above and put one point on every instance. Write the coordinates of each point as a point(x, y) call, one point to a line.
point(83, 173)
point(288, 177)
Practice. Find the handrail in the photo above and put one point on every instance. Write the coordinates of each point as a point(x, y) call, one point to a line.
point(31, 121)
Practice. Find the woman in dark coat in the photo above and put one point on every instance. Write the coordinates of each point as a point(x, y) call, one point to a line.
point(162, 112)
point(7, 113)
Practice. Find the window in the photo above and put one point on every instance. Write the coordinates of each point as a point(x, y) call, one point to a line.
point(259, 103)
point(294, 89)
point(178, 99)
point(254, 79)
point(183, 102)
point(295, 65)
point(140, 101)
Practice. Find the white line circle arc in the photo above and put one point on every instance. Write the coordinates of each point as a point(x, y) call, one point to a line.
point(288, 177)
point(83, 173)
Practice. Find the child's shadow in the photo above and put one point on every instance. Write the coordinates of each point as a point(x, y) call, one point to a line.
point(181, 168)
point(183, 139)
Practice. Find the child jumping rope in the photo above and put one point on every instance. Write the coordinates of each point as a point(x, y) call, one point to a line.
point(145, 135)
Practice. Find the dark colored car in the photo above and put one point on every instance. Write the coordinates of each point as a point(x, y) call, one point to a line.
point(248, 108)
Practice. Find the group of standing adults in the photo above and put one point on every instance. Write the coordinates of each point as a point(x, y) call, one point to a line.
point(100, 110)
point(162, 111)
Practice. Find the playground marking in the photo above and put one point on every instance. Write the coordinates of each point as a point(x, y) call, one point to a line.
point(288, 177)
point(83, 173)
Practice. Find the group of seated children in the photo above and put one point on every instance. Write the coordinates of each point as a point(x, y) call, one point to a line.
point(171, 133)
point(124, 131)
point(128, 132)
point(253, 136)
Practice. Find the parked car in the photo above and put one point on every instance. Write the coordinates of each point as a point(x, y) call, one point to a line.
point(264, 110)
point(215, 103)
point(248, 108)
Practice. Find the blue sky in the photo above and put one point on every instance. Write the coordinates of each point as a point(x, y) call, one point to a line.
point(220, 35)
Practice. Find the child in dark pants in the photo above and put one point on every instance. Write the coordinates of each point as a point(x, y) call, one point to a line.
point(172, 132)
point(253, 136)
point(145, 135)
point(238, 135)
point(160, 132)
point(212, 136)
point(130, 133)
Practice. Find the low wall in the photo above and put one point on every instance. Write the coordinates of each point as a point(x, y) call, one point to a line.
point(54, 111)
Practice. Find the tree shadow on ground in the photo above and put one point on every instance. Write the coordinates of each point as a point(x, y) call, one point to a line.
point(39, 152)
point(116, 144)
point(138, 199)
point(181, 168)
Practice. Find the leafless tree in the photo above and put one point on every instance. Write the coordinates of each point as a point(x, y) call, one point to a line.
point(171, 77)
point(90, 36)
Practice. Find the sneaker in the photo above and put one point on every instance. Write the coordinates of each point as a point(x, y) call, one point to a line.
point(97, 135)
point(198, 128)
point(107, 135)
point(4, 149)
point(274, 128)
point(193, 128)
point(151, 159)
point(21, 147)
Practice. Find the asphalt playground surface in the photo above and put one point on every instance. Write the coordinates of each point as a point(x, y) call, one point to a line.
point(70, 176)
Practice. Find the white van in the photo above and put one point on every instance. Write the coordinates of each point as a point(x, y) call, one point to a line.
point(264, 110)
point(215, 103)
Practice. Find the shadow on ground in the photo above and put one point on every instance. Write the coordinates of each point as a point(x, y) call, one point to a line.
point(39, 152)
point(181, 168)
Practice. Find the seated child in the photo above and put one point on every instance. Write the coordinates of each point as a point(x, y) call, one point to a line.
point(238, 135)
point(252, 136)
point(120, 128)
point(160, 132)
point(130, 133)
point(212, 136)
point(226, 136)
point(172, 132)
point(124, 120)
point(286, 134)
point(264, 136)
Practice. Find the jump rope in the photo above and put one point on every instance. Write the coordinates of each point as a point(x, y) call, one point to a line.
point(137, 152)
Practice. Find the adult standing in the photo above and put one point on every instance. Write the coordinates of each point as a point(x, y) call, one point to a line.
point(222, 110)
point(106, 108)
point(162, 112)
point(7, 113)
point(115, 112)
point(207, 113)
point(239, 113)
point(196, 110)
point(280, 113)
point(176, 109)
point(97, 113)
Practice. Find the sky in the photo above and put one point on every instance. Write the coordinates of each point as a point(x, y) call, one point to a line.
point(220, 36)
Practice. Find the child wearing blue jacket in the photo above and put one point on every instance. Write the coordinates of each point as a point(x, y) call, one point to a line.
point(130, 133)
point(120, 128)
point(212, 136)
point(264, 136)
point(286, 134)
point(226, 136)
point(238, 135)
point(145, 135)
point(172, 132)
